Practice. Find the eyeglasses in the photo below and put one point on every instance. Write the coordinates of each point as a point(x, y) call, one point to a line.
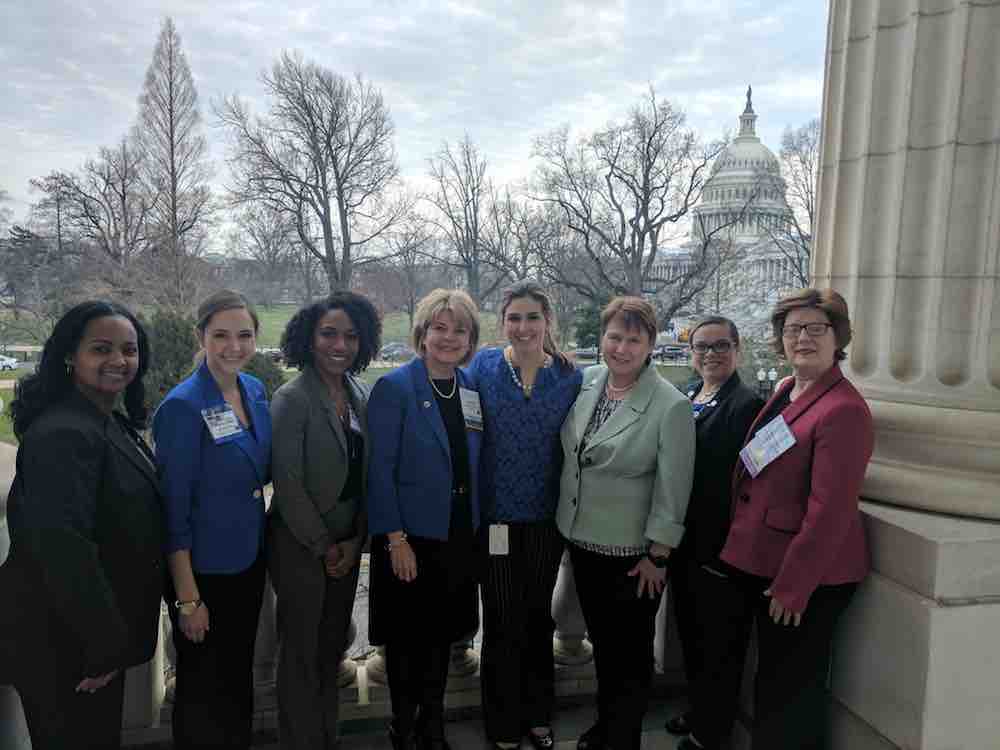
point(814, 330)
point(722, 346)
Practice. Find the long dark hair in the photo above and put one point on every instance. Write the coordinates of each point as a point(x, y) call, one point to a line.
point(297, 340)
point(51, 381)
point(528, 289)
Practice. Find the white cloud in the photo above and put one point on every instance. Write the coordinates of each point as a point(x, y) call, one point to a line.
point(503, 72)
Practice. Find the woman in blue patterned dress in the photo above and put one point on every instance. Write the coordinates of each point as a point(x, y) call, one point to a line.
point(526, 390)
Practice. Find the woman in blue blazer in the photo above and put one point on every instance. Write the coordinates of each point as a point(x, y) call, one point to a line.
point(424, 426)
point(213, 450)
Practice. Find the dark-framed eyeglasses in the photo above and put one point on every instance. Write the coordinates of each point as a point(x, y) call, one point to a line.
point(813, 330)
point(722, 346)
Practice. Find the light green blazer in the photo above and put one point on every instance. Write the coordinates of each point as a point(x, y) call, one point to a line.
point(632, 482)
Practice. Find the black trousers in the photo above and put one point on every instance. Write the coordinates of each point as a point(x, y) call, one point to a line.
point(517, 672)
point(683, 581)
point(790, 702)
point(58, 717)
point(621, 627)
point(418, 674)
point(213, 701)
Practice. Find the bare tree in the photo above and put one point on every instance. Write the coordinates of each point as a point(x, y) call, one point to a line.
point(6, 212)
point(411, 259)
point(621, 189)
point(800, 167)
point(267, 238)
point(175, 157)
point(323, 155)
point(105, 205)
point(462, 201)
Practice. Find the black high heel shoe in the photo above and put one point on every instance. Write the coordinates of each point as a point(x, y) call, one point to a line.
point(545, 741)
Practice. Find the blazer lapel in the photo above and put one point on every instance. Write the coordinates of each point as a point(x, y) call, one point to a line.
point(212, 396)
point(632, 408)
point(427, 405)
point(322, 395)
point(813, 394)
point(586, 402)
point(121, 439)
point(795, 410)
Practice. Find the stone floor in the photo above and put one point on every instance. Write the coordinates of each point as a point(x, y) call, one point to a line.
point(468, 734)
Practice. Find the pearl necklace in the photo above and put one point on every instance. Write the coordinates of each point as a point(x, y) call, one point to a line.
point(615, 393)
point(454, 387)
point(704, 398)
point(508, 356)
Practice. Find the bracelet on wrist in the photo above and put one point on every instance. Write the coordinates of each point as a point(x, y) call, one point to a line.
point(189, 607)
point(393, 544)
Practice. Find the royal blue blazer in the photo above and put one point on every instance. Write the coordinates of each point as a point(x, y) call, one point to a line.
point(409, 470)
point(214, 492)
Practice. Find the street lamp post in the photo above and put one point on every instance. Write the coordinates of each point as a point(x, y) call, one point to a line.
point(762, 382)
point(772, 375)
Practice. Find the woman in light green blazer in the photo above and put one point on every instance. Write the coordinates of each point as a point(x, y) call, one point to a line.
point(629, 444)
point(317, 525)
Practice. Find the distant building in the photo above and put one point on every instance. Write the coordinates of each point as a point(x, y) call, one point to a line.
point(743, 212)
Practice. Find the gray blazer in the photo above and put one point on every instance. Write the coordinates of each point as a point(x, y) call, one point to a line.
point(309, 462)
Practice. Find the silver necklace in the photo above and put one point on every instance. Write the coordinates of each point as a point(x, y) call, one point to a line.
point(508, 356)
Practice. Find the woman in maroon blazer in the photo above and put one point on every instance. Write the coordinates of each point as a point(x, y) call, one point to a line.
point(796, 547)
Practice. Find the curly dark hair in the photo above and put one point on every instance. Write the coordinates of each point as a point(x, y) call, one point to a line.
point(51, 382)
point(297, 339)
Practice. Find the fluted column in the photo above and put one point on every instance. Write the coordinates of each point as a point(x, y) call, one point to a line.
point(908, 229)
point(569, 644)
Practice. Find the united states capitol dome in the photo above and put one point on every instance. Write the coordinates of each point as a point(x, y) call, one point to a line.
point(745, 192)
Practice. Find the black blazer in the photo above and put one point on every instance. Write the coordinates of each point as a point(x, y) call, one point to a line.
point(719, 433)
point(85, 572)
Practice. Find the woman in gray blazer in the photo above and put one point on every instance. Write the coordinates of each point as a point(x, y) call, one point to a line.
point(629, 448)
point(317, 524)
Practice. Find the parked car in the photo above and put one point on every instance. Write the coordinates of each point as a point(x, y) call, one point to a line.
point(587, 352)
point(396, 352)
point(271, 352)
point(8, 363)
point(671, 352)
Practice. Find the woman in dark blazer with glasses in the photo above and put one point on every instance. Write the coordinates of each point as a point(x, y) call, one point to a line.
point(723, 410)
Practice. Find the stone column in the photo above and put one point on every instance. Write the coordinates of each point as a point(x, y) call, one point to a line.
point(569, 643)
point(908, 230)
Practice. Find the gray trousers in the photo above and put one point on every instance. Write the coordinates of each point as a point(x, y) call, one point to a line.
point(314, 616)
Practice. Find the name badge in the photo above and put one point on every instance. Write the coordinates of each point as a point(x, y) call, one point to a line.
point(499, 539)
point(472, 410)
point(771, 441)
point(222, 423)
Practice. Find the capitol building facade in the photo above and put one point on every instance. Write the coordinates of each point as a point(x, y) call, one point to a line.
point(743, 229)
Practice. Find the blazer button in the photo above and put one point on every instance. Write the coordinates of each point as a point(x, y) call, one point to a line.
point(745, 498)
point(588, 461)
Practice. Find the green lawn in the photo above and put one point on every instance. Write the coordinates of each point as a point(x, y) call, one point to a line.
point(6, 428)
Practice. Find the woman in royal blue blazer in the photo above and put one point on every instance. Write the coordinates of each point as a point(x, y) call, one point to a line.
point(424, 425)
point(213, 450)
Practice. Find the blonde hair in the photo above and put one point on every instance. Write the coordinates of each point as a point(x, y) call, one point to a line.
point(455, 301)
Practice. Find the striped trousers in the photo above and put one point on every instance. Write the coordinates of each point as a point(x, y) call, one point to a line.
point(516, 667)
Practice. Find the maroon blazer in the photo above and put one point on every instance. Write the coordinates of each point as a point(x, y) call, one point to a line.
point(798, 521)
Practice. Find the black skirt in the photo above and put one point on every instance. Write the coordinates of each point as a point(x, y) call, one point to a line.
point(441, 605)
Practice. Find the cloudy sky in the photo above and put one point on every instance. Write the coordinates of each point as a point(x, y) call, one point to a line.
point(504, 72)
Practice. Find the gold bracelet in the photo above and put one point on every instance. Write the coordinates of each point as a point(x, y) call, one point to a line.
point(401, 540)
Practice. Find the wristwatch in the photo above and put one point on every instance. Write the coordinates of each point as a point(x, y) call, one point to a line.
point(659, 561)
point(187, 608)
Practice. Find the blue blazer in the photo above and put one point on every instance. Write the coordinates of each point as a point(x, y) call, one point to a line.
point(214, 492)
point(409, 470)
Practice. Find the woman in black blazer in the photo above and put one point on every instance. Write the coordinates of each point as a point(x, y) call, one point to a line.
point(85, 573)
point(724, 408)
